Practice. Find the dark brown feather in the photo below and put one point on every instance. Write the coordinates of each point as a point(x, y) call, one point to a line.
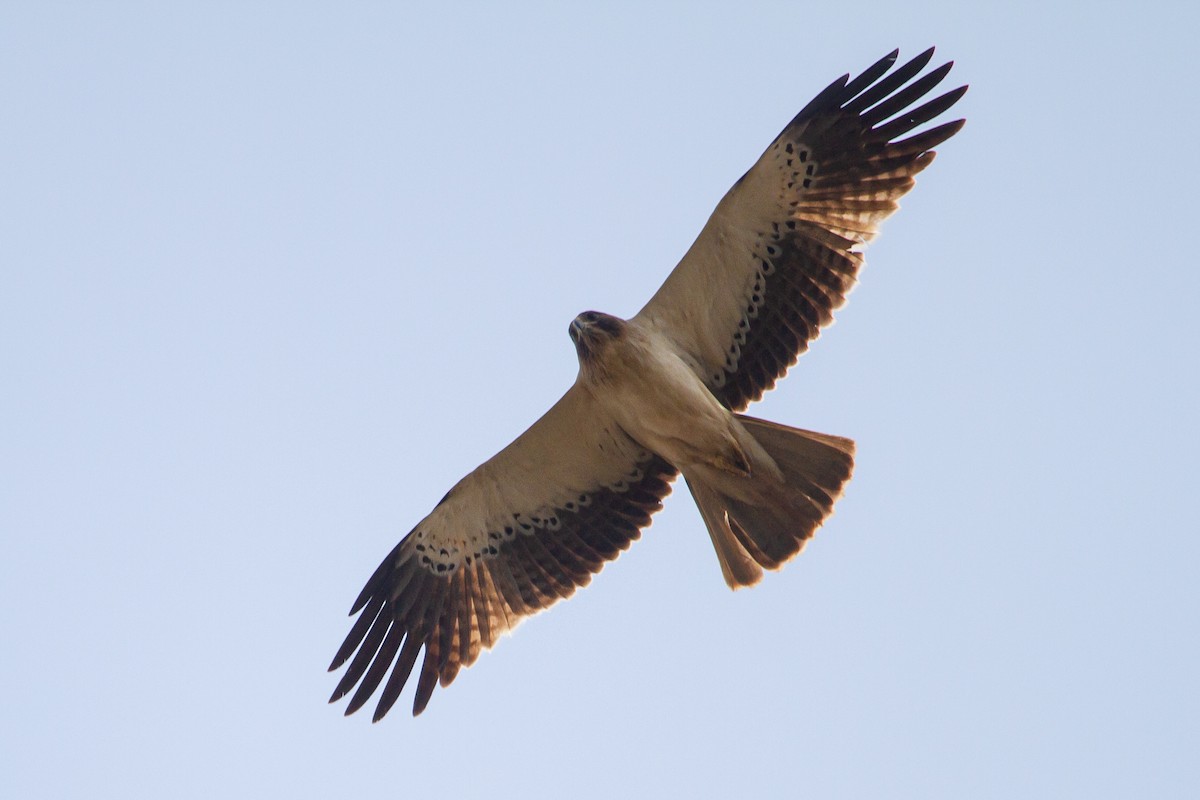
point(906, 96)
point(428, 679)
point(379, 667)
point(355, 637)
point(888, 84)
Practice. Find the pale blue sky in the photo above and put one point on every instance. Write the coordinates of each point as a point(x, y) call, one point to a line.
point(274, 276)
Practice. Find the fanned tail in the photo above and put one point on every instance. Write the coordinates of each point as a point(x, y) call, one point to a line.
point(764, 519)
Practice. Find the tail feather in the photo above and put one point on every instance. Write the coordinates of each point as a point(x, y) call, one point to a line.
point(737, 565)
point(764, 520)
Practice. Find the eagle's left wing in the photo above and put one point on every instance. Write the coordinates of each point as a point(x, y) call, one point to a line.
point(783, 247)
point(524, 530)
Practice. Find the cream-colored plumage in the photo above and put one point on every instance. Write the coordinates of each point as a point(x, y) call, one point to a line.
point(659, 394)
point(639, 379)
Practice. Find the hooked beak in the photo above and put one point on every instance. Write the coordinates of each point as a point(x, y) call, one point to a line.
point(581, 338)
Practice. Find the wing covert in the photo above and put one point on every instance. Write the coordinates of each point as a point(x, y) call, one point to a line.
point(783, 247)
point(521, 532)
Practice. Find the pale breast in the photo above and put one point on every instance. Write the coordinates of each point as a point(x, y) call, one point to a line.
point(660, 401)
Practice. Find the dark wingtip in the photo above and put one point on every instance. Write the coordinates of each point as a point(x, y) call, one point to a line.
point(885, 63)
point(953, 96)
point(424, 693)
point(827, 95)
point(358, 701)
point(871, 74)
point(341, 657)
point(921, 60)
point(918, 63)
point(364, 597)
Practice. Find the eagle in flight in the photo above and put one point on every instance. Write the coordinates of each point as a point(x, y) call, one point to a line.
point(661, 394)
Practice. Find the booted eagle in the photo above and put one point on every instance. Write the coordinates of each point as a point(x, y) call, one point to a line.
point(661, 394)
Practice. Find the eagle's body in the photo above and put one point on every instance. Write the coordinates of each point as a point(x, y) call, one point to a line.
point(640, 379)
point(659, 395)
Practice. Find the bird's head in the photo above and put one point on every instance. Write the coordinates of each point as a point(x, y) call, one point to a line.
point(592, 331)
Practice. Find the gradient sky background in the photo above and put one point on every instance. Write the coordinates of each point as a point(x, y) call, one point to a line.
point(274, 276)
